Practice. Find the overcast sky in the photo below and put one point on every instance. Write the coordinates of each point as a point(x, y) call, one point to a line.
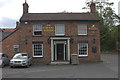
point(11, 10)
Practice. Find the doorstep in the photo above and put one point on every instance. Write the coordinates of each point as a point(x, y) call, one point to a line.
point(60, 62)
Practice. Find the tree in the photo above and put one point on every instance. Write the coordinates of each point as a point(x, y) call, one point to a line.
point(108, 19)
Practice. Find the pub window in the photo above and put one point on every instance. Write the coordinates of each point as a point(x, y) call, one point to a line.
point(59, 29)
point(37, 29)
point(82, 29)
point(37, 49)
point(82, 49)
point(16, 48)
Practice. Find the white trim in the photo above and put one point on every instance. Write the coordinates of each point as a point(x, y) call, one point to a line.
point(37, 56)
point(59, 34)
point(52, 50)
point(68, 42)
point(52, 44)
point(55, 42)
point(82, 34)
point(83, 55)
point(57, 38)
point(33, 51)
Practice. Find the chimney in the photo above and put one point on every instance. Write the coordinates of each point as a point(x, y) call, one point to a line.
point(92, 7)
point(25, 7)
point(17, 24)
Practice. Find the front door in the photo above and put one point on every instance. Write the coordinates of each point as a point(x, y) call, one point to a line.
point(60, 52)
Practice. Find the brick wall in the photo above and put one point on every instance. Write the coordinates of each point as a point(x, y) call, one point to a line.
point(24, 38)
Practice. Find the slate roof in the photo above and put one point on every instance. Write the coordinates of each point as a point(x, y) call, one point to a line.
point(58, 16)
point(5, 33)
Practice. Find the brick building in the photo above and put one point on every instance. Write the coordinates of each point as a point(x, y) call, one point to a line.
point(56, 37)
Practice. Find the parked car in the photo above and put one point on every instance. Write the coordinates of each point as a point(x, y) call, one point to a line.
point(4, 60)
point(21, 59)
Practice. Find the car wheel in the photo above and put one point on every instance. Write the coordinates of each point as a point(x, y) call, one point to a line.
point(28, 66)
point(11, 66)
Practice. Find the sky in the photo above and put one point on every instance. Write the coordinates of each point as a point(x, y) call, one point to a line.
point(12, 10)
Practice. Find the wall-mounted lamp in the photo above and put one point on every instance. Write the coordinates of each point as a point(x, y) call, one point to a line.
point(72, 40)
point(48, 40)
point(94, 40)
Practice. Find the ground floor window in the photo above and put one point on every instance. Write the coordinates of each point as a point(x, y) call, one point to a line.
point(16, 48)
point(82, 49)
point(37, 49)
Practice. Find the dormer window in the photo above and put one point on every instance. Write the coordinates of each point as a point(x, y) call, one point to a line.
point(37, 29)
point(59, 29)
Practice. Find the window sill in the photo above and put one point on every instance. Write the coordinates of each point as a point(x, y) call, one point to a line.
point(37, 56)
point(37, 35)
point(82, 35)
point(83, 56)
point(59, 34)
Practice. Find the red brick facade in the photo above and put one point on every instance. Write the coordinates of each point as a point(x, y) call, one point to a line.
point(23, 36)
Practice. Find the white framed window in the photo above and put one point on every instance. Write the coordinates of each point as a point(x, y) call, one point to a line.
point(37, 49)
point(82, 49)
point(16, 48)
point(59, 29)
point(37, 29)
point(82, 29)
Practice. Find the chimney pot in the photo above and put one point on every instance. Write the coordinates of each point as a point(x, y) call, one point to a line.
point(17, 24)
point(25, 8)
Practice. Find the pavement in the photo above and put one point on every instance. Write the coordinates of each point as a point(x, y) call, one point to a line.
point(106, 69)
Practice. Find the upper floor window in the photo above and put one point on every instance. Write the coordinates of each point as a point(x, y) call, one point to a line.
point(37, 29)
point(82, 29)
point(59, 29)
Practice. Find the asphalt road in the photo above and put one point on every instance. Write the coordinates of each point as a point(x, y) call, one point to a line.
point(106, 69)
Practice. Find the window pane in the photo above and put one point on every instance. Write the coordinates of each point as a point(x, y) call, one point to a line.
point(59, 29)
point(83, 47)
point(82, 29)
point(16, 48)
point(38, 33)
point(37, 29)
point(37, 49)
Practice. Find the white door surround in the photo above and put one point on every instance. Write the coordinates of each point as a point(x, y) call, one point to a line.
point(64, 42)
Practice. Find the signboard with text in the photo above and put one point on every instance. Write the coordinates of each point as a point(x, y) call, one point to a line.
point(93, 27)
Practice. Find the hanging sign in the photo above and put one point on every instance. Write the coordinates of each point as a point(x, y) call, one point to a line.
point(93, 28)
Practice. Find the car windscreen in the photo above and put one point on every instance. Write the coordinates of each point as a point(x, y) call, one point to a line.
point(24, 54)
point(19, 57)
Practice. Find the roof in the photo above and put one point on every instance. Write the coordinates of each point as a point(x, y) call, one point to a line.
point(6, 32)
point(58, 16)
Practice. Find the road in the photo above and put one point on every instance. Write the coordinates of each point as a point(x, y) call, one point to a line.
point(106, 69)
